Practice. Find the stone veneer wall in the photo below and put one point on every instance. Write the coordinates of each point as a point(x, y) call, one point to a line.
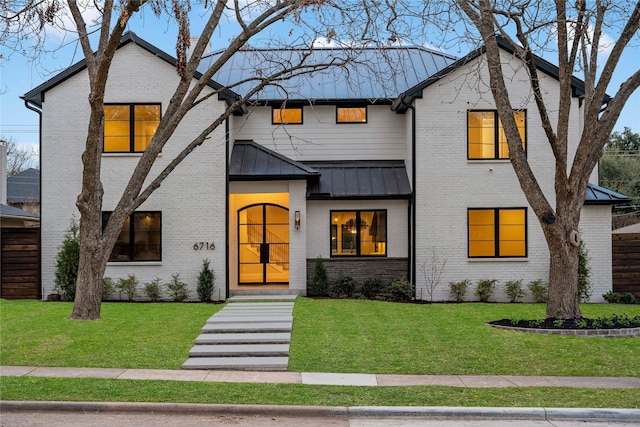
point(360, 269)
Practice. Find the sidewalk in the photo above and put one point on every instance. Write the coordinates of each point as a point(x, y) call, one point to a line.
point(319, 378)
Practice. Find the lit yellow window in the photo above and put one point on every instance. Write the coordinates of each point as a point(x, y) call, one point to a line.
point(497, 232)
point(359, 233)
point(289, 116)
point(486, 138)
point(119, 134)
point(351, 114)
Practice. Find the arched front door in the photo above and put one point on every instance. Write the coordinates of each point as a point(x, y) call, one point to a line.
point(263, 245)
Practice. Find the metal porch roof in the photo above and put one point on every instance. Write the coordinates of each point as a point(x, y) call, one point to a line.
point(360, 179)
point(597, 195)
point(252, 161)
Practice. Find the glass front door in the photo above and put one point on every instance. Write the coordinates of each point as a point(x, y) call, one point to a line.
point(263, 245)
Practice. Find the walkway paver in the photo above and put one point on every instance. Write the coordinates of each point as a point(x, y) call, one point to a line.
point(247, 334)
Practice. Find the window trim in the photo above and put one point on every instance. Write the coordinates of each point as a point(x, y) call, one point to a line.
point(132, 238)
point(358, 239)
point(496, 233)
point(345, 106)
point(132, 124)
point(287, 107)
point(496, 135)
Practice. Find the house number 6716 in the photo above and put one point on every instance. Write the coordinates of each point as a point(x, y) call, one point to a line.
point(203, 246)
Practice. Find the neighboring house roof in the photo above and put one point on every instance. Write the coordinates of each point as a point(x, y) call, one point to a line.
point(360, 179)
point(368, 74)
point(629, 229)
point(24, 187)
point(9, 212)
point(252, 161)
point(37, 94)
point(597, 195)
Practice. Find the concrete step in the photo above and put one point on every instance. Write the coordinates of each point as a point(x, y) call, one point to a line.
point(245, 338)
point(240, 327)
point(244, 313)
point(248, 319)
point(238, 363)
point(240, 350)
point(246, 298)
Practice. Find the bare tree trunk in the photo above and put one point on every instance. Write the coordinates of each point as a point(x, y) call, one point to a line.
point(90, 269)
point(564, 301)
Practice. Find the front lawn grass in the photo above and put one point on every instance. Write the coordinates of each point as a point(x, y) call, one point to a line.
point(89, 389)
point(128, 335)
point(381, 337)
point(328, 336)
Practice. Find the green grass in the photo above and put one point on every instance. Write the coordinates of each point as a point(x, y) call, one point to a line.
point(329, 336)
point(84, 389)
point(381, 337)
point(155, 336)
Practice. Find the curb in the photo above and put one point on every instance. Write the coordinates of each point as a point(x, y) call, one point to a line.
point(438, 412)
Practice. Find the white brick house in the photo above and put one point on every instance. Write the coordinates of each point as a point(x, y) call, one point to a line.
point(374, 176)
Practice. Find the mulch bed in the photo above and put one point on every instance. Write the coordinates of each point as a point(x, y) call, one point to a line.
point(614, 322)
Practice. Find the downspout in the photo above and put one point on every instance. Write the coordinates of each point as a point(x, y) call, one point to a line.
point(39, 113)
point(412, 202)
point(226, 201)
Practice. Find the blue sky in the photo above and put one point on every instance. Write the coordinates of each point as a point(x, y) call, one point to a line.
point(19, 75)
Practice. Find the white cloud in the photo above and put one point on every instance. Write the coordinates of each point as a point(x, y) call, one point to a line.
point(605, 44)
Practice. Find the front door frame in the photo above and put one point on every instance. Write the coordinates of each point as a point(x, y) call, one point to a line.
point(264, 248)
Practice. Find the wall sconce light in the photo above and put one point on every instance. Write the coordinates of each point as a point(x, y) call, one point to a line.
point(297, 220)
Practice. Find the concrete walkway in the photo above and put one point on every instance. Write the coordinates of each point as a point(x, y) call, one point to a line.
point(319, 378)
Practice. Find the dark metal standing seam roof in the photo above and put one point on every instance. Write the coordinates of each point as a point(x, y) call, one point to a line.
point(360, 179)
point(24, 187)
point(597, 195)
point(251, 161)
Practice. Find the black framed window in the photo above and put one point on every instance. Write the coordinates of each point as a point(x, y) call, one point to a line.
point(497, 232)
point(286, 115)
point(140, 238)
point(359, 233)
point(128, 128)
point(351, 114)
point(486, 138)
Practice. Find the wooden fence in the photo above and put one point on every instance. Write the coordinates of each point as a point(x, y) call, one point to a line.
point(626, 262)
point(20, 263)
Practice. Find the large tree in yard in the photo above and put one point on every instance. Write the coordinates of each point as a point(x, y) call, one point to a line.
point(580, 28)
point(99, 40)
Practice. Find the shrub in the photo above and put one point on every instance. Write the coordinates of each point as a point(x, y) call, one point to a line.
point(344, 287)
point(584, 273)
point(625, 298)
point(152, 289)
point(206, 281)
point(129, 286)
point(67, 261)
point(611, 297)
point(319, 281)
point(514, 290)
point(177, 288)
point(371, 287)
point(458, 290)
point(485, 289)
point(539, 289)
point(108, 286)
point(400, 290)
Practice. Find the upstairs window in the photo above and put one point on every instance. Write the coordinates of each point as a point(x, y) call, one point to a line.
point(497, 232)
point(286, 116)
point(128, 128)
point(351, 115)
point(486, 137)
point(140, 238)
point(359, 233)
